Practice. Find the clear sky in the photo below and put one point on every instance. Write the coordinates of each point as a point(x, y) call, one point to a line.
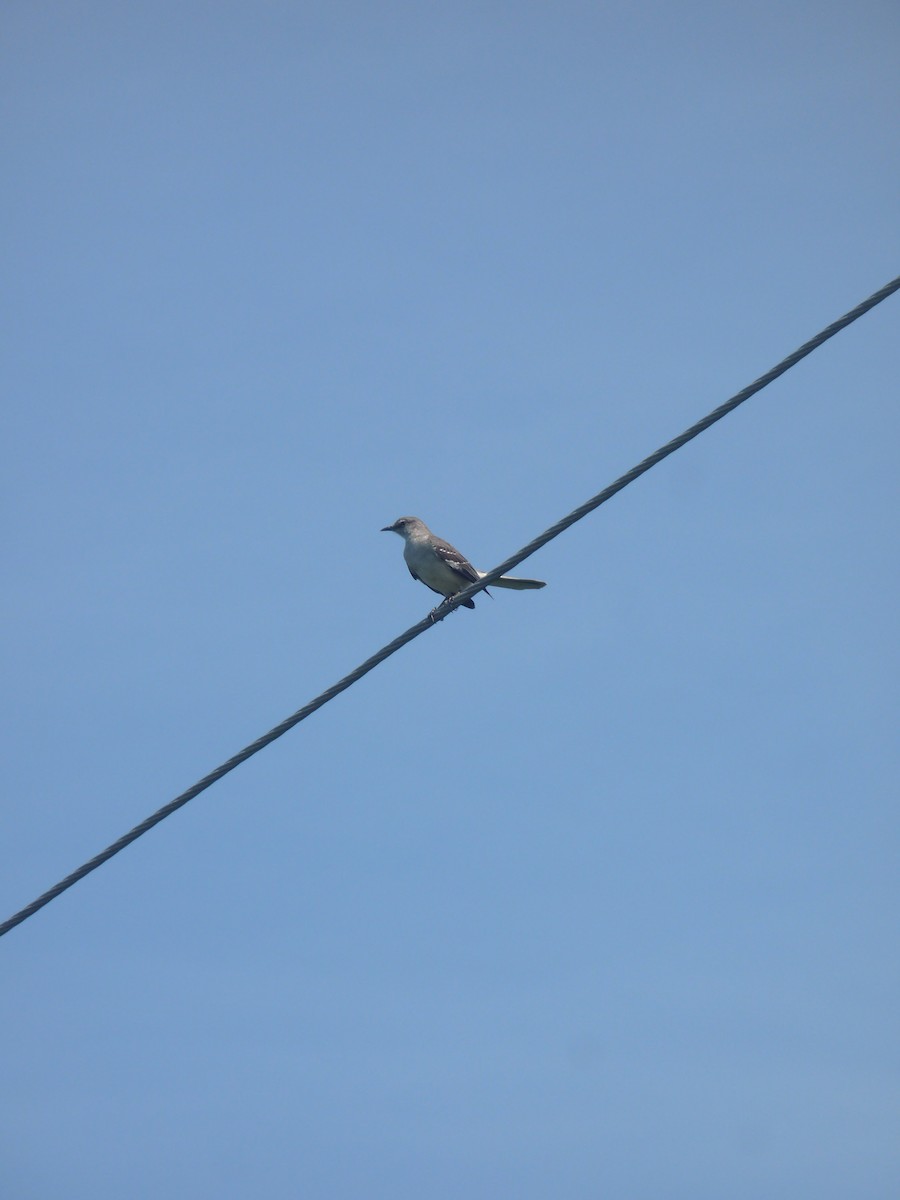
point(591, 891)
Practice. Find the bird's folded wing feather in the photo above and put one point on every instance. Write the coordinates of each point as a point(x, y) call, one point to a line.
point(455, 561)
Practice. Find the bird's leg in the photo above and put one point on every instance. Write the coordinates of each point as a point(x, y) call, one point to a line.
point(437, 608)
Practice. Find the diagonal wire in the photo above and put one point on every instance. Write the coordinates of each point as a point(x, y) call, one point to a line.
point(448, 606)
point(683, 438)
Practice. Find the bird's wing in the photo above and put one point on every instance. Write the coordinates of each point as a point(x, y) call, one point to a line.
point(455, 561)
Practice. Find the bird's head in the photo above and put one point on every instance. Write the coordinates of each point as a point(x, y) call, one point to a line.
point(406, 527)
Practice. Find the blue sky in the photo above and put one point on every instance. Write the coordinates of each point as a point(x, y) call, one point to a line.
point(592, 891)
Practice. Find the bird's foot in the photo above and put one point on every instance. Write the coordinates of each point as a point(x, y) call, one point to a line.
point(437, 612)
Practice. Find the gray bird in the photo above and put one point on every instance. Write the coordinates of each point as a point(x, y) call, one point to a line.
point(440, 566)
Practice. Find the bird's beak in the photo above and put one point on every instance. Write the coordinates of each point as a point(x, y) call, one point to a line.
point(387, 529)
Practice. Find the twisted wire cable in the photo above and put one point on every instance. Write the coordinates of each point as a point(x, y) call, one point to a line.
point(448, 606)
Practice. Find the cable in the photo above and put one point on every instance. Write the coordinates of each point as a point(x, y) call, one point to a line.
point(683, 438)
point(444, 609)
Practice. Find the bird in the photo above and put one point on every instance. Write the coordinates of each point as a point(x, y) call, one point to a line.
point(440, 566)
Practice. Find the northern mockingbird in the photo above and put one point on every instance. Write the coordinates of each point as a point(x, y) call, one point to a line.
point(440, 566)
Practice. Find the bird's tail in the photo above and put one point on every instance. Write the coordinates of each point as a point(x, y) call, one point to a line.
point(518, 585)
